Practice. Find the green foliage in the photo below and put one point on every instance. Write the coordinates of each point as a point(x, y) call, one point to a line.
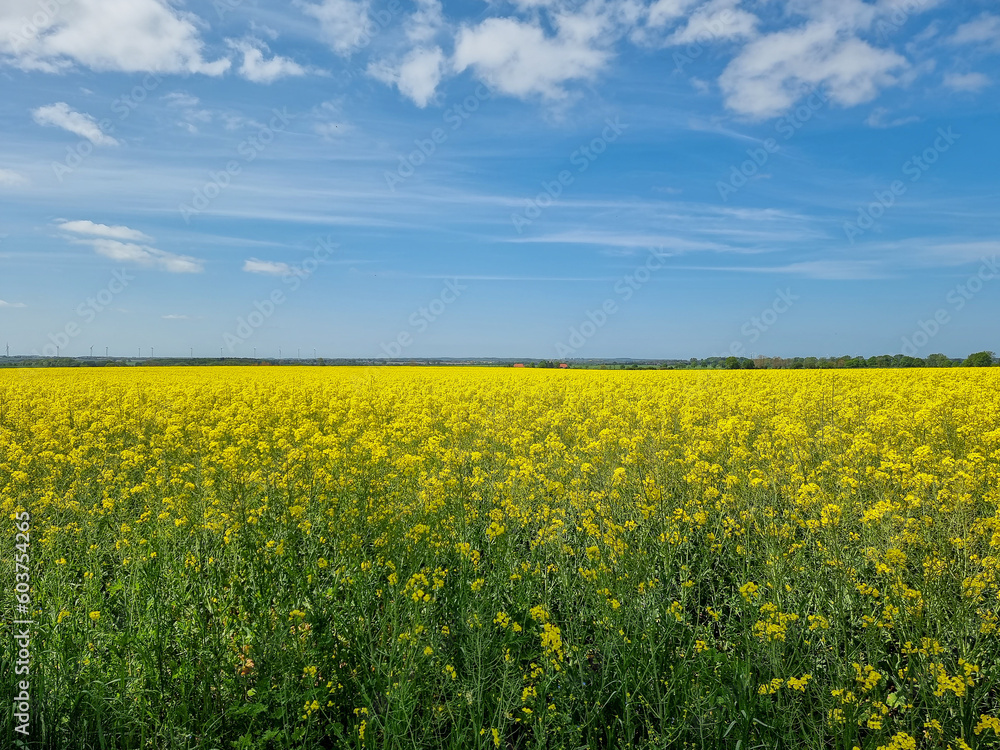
point(979, 359)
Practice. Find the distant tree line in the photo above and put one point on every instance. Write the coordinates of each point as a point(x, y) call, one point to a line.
point(978, 359)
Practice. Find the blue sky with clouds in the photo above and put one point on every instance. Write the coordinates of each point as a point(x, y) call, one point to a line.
point(536, 178)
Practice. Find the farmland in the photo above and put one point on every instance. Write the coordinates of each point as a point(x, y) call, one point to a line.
point(462, 558)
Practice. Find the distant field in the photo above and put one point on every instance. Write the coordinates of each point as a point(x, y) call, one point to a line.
point(498, 558)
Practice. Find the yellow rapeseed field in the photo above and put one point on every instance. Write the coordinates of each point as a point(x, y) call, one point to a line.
point(485, 558)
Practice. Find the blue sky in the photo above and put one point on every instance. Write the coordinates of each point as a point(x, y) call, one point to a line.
point(539, 178)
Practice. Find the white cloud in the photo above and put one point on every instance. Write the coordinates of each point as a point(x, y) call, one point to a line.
point(4, 303)
point(663, 12)
point(187, 106)
point(107, 241)
point(144, 255)
point(877, 119)
point(773, 71)
point(418, 72)
point(268, 267)
point(128, 36)
point(237, 121)
point(10, 178)
point(519, 59)
point(103, 230)
point(257, 69)
point(181, 100)
point(984, 29)
point(425, 23)
point(175, 317)
point(416, 77)
point(972, 82)
point(715, 21)
point(62, 116)
point(344, 24)
point(829, 50)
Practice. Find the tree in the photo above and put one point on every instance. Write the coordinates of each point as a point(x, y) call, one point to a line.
point(732, 363)
point(938, 360)
point(979, 359)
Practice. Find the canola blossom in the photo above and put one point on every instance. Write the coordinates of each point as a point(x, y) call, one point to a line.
point(486, 558)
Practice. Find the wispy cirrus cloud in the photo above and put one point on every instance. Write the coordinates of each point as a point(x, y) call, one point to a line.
point(144, 255)
point(879, 118)
point(829, 270)
point(984, 29)
point(113, 242)
point(266, 267)
point(103, 230)
point(970, 82)
point(625, 240)
point(61, 115)
point(10, 178)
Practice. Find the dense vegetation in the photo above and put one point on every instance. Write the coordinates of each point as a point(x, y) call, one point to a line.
point(472, 558)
